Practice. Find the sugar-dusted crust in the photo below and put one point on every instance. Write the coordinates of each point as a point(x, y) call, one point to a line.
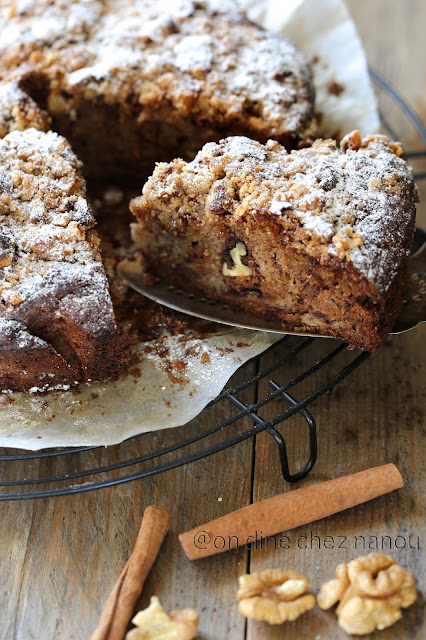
point(132, 82)
point(57, 323)
point(18, 111)
point(318, 237)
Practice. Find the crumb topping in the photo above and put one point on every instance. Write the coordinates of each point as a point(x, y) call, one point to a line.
point(201, 58)
point(18, 111)
point(48, 248)
point(353, 204)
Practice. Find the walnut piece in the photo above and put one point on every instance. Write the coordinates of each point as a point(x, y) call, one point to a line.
point(333, 590)
point(154, 623)
point(274, 596)
point(239, 269)
point(371, 590)
point(352, 141)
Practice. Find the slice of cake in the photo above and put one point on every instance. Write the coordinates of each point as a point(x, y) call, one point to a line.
point(57, 323)
point(317, 238)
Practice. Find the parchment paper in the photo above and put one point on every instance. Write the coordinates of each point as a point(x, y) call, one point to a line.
point(175, 377)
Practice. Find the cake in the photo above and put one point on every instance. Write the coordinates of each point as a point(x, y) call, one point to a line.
point(132, 82)
point(57, 325)
point(317, 238)
point(123, 84)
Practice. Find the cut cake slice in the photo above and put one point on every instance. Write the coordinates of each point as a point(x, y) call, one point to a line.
point(57, 325)
point(318, 238)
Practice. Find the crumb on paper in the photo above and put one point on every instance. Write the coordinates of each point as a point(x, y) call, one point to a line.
point(274, 596)
point(371, 591)
point(178, 365)
point(153, 623)
point(335, 88)
point(149, 279)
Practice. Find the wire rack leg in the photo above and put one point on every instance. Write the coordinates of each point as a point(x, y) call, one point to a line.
point(282, 449)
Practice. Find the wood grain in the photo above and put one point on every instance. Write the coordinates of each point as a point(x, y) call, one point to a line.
point(60, 557)
point(365, 421)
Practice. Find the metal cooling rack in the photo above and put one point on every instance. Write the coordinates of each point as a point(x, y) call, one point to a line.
point(286, 352)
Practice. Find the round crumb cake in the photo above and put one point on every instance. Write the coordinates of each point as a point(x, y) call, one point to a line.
point(126, 83)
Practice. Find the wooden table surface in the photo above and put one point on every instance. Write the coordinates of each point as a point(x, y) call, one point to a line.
point(60, 557)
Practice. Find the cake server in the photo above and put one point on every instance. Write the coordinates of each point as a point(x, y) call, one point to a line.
point(413, 311)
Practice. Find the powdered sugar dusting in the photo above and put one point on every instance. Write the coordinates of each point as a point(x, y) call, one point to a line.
point(197, 53)
point(109, 58)
point(278, 206)
point(194, 52)
point(48, 253)
point(240, 148)
point(259, 72)
point(10, 94)
point(16, 333)
point(45, 22)
point(18, 110)
point(357, 201)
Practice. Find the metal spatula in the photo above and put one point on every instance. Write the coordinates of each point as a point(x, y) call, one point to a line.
point(413, 311)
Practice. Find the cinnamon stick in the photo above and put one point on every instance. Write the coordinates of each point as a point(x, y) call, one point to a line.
point(121, 602)
point(289, 510)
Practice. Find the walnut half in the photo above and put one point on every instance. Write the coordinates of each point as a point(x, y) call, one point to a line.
point(154, 623)
point(239, 269)
point(274, 596)
point(371, 590)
